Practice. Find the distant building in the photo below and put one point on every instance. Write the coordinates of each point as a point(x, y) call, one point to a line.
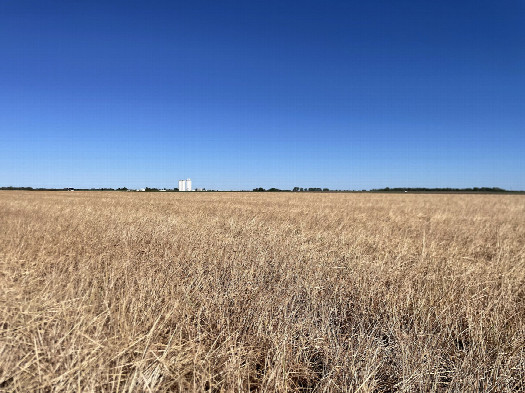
point(185, 185)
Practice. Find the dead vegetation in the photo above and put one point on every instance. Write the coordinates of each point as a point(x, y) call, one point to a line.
point(231, 292)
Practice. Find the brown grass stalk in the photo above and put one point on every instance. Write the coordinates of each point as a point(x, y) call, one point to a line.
point(276, 292)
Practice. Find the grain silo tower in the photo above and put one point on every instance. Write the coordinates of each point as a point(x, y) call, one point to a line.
point(188, 184)
point(182, 185)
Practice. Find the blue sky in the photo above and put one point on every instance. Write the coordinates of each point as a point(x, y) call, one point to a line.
point(242, 94)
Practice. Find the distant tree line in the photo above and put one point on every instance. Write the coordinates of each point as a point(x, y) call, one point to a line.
point(41, 189)
point(310, 189)
point(295, 189)
point(147, 189)
point(395, 189)
point(424, 189)
point(273, 189)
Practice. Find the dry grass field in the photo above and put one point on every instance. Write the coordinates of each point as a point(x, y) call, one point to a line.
point(268, 292)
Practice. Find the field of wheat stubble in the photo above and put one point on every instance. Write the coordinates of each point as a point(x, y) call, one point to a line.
point(268, 292)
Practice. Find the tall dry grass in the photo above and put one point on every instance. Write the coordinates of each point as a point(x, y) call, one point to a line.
point(231, 292)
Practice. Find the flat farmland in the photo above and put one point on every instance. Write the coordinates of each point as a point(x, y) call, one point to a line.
point(268, 292)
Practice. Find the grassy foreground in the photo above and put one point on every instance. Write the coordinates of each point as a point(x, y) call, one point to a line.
point(236, 292)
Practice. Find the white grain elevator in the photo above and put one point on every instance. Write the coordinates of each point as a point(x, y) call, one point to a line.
point(185, 185)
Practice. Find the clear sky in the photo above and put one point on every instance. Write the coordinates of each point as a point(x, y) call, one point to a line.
point(242, 94)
